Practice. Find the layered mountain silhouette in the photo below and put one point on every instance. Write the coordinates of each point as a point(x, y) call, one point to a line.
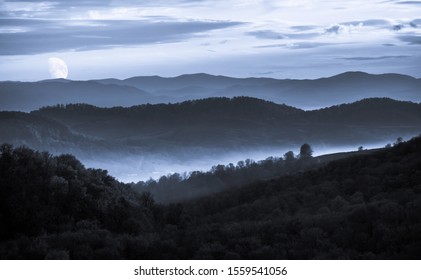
point(27, 96)
point(211, 123)
point(307, 94)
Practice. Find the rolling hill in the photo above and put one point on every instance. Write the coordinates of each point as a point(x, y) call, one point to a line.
point(139, 142)
point(241, 121)
point(361, 207)
point(306, 94)
point(27, 96)
point(212, 123)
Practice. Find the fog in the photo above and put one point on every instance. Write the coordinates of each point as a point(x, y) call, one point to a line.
point(134, 168)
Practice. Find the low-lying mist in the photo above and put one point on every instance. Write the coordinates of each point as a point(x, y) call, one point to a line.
point(134, 168)
point(142, 167)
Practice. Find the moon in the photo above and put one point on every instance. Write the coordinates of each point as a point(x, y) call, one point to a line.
point(58, 68)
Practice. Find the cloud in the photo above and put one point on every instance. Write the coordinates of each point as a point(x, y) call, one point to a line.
point(398, 27)
point(375, 58)
point(308, 45)
point(175, 36)
point(273, 35)
point(370, 22)
point(336, 28)
point(51, 36)
point(34, 5)
point(105, 2)
point(416, 21)
point(409, 3)
point(304, 27)
point(84, 8)
point(411, 39)
point(297, 45)
point(266, 34)
point(340, 28)
point(373, 24)
point(406, 25)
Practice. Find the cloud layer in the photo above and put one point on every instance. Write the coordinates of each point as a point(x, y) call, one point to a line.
point(283, 39)
point(42, 36)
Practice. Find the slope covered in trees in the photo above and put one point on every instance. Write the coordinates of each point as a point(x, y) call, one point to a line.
point(44, 133)
point(239, 122)
point(177, 187)
point(197, 122)
point(365, 206)
point(194, 135)
point(52, 207)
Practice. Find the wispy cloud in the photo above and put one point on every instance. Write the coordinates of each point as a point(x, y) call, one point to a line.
point(409, 2)
point(411, 39)
point(266, 34)
point(49, 36)
point(233, 37)
point(359, 58)
point(296, 45)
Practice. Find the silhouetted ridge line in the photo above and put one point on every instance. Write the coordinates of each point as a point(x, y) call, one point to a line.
point(221, 123)
point(305, 94)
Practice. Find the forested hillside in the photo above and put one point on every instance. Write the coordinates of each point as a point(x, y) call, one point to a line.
point(224, 123)
point(361, 207)
point(181, 187)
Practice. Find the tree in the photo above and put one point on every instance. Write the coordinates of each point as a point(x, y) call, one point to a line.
point(398, 141)
point(306, 151)
point(289, 156)
point(146, 199)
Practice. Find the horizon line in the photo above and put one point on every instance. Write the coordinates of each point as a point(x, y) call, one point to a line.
point(216, 75)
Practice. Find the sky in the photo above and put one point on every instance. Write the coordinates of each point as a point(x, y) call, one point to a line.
point(299, 39)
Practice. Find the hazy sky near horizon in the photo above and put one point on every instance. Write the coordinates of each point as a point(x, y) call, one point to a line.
point(265, 38)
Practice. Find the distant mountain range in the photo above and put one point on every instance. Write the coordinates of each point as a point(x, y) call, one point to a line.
point(225, 123)
point(27, 96)
point(306, 94)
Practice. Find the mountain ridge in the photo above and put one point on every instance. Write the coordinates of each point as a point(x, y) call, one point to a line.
point(239, 121)
point(305, 94)
point(31, 95)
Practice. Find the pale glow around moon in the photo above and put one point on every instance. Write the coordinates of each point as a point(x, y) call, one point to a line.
point(58, 68)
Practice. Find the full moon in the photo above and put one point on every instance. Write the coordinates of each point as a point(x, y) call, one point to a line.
point(57, 68)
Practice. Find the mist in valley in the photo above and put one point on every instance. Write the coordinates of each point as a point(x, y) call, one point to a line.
point(143, 167)
point(149, 141)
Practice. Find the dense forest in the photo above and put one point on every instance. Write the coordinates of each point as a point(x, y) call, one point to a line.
point(178, 187)
point(152, 140)
point(361, 207)
point(212, 123)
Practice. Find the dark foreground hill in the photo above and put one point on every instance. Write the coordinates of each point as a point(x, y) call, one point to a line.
point(362, 207)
